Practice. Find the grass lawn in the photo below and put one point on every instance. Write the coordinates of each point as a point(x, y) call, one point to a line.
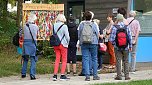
point(10, 63)
point(142, 82)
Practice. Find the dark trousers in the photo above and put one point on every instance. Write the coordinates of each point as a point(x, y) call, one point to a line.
point(122, 56)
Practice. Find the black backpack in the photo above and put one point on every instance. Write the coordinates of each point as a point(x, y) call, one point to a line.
point(16, 39)
point(54, 39)
point(121, 38)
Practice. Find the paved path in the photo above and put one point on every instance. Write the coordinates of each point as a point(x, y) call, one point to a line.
point(74, 80)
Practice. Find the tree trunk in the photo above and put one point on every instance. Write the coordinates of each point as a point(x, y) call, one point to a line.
point(19, 11)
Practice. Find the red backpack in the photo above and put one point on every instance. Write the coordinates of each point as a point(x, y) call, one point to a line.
point(121, 37)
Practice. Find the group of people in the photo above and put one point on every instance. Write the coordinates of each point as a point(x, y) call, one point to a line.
point(87, 35)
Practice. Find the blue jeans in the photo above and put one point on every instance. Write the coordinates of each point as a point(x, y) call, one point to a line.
point(89, 52)
point(90, 66)
point(32, 67)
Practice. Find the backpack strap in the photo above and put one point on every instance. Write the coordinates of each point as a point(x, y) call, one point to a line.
point(118, 26)
point(31, 34)
point(93, 28)
point(131, 21)
point(58, 29)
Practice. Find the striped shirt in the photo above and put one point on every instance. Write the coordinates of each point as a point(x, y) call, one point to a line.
point(113, 35)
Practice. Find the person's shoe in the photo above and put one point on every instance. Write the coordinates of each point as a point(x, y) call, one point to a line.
point(99, 69)
point(96, 78)
point(127, 78)
point(112, 67)
point(87, 79)
point(68, 73)
point(133, 72)
point(118, 78)
point(81, 74)
point(33, 78)
point(55, 78)
point(74, 73)
point(63, 77)
point(23, 76)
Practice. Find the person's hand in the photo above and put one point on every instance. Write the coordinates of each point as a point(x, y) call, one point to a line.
point(78, 48)
point(134, 42)
point(130, 49)
point(101, 36)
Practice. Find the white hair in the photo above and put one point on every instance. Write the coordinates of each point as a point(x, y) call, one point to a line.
point(132, 13)
point(32, 18)
point(61, 18)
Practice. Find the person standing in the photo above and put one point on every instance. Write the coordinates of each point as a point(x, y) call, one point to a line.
point(29, 47)
point(100, 60)
point(89, 45)
point(61, 50)
point(135, 29)
point(110, 47)
point(122, 54)
point(72, 27)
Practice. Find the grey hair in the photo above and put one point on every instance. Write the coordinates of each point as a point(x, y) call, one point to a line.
point(132, 14)
point(61, 18)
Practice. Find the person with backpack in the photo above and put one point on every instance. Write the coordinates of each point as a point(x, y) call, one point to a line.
point(73, 33)
point(135, 29)
point(61, 30)
point(29, 46)
point(110, 47)
point(88, 35)
point(121, 38)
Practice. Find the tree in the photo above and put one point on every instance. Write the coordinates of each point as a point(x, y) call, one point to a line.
point(19, 10)
point(3, 15)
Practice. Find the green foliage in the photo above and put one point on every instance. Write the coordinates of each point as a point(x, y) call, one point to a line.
point(10, 63)
point(12, 2)
point(13, 15)
point(53, 1)
point(141, 82)
point(46, 1)
point(48, 51)
point(7, 32)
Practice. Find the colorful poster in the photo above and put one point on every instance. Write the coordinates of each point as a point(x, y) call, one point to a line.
point(45, 17)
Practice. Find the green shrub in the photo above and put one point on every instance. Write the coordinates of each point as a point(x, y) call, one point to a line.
point(13, 15)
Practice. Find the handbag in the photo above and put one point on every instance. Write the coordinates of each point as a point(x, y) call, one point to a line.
point(102, 47)
point(38, 52)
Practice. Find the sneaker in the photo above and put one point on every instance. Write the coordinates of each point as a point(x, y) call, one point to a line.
point(87, 79)
point(99, 69)
point(133, 72)
point(118, 78)
point(23, 76)
point(68, 73)
point(127, 78)
point(55, 78)
point(63, 77)
point(96, 78)
point(81, 74)
point(33, 78)
point(74, 73)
